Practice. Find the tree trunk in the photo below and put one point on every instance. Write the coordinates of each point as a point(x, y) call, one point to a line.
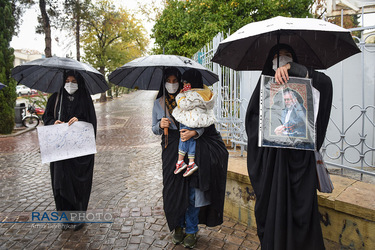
point(46, 28)
point(78, 27)
point(77, 38)
point(103, 96)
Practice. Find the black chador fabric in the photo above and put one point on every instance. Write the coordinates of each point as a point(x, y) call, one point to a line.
point(285, 180)
point(213, 155)
point(71, 178)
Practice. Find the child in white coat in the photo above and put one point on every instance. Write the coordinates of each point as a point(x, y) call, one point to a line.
point(194, 110)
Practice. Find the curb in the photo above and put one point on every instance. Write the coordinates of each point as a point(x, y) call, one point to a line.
point(18, 133)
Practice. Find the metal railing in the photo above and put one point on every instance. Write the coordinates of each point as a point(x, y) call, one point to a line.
point(229, 102)
point(342, 149)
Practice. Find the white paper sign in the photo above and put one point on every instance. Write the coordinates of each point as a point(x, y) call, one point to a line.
point(60, 141)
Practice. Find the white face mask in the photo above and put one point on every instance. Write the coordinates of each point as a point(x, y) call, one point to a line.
point(282, 61)
point(71, 87)
point(171, 87)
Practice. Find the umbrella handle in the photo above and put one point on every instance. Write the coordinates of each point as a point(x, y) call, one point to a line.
point(166, 137)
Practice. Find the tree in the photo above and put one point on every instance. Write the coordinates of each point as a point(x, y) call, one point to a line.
point(7, 94)
point(111, 38)
point(47, 19)
point(49, 12)
point(319, 9)
point(151, 10)
point(186, 26)
point(46, 28)
point(75, 12)
point(56, 14)
point(18, 9)
point(65, 14)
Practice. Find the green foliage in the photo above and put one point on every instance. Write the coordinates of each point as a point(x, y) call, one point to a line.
point(7, 104)
point(72, 10)
point(112, 37)
point(118, 90)
point(7, 94)
point(186, 26)
point(40, 100)
point(348, 23)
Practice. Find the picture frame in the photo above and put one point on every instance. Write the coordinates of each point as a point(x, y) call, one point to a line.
point(286, 115)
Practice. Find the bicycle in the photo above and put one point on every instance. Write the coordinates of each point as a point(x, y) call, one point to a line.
point(34, 117)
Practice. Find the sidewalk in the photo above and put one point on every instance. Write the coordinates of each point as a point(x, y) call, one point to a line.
point(127, 183)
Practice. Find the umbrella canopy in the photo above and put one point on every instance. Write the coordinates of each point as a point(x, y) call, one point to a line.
point(47, 74)
point(2, 85)
point(317, 43)
point(147, 72)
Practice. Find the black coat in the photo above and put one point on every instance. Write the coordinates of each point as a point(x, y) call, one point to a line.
point(285, 180)
point(296, 126)
point(71, 178)
point(212, 158)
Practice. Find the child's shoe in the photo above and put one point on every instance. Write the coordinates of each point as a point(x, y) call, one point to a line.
point(180, 167)
point(190, 169)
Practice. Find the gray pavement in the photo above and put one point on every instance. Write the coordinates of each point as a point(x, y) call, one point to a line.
point(127, 184)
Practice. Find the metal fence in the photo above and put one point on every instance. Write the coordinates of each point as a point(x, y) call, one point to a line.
point(230, 105)
point(350, 140)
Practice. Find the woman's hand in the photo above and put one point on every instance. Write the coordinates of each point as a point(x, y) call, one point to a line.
point(281, 75)
point(58, 122)
point(164, 123)
point(73, 120)
point(186, 134)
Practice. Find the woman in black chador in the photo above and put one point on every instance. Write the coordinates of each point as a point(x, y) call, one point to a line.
point(71, 178)
point(198, 198)
point(285, 180)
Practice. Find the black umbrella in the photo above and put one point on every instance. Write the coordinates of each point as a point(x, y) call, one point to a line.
point(47, 74)
point(317, 43)
point(147, 72)
point(2, 85)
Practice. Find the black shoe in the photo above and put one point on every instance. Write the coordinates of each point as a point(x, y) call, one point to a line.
point(78, 226)
point(178, 235)
point(190, 241)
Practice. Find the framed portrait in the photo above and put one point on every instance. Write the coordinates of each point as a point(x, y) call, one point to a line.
point(286, 115)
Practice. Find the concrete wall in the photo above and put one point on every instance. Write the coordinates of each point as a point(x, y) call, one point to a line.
point(347, 214)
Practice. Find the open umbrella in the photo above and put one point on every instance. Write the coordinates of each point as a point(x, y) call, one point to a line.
point(2, 85)
point(147, 72)
point(47, 74)
point(317, 43)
